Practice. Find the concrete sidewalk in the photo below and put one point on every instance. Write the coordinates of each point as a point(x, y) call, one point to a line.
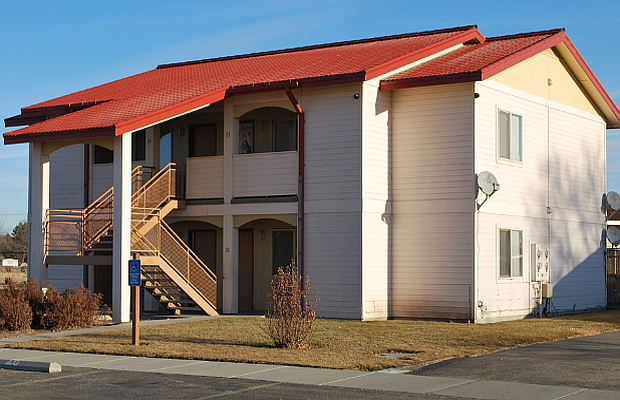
point(400, 380)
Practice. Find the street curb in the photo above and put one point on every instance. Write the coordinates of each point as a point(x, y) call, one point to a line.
point(31, 366)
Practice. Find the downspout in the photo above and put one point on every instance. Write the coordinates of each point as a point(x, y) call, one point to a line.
point(301, 123)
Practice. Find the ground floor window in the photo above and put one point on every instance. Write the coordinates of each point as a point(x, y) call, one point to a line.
point(510, 253)
point(283, 245)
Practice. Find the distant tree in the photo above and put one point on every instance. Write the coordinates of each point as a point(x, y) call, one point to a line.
point(15, 244)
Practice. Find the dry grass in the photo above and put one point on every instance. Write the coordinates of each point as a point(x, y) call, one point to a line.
point(13, 275)
point(336, 343)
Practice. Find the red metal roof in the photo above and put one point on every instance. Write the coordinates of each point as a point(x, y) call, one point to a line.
point(148, 98)
point(144, 99)
point(480, 61)
point(470, 59)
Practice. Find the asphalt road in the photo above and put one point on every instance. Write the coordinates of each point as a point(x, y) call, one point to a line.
point(87, 383)
point(588, 362)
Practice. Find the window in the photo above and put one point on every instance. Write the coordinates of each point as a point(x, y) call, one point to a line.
point(102, 155)
point(165, 147)
point(267, 130)
point(510, 136)
point(510, 253)
point(284, 135)
point(283, 246)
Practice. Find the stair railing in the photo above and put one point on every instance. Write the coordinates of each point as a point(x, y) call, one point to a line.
point(161, 241)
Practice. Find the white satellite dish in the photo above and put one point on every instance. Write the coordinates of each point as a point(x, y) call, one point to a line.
point(613, 235)
point(487, 182)
point(613, 199)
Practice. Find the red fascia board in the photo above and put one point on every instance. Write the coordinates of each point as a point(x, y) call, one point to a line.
point(466, 36)
point(51, 136)
point(169, 112)
point(557, 38)
point(22, 120)
point(430, 81)
point(582, 62)
point(31, 116)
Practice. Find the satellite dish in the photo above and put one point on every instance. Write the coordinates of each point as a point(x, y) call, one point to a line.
point(613, 235)
point(613, 199)
point(489, 185)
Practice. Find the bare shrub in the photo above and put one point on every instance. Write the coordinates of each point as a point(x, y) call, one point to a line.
point(24, 305)
point(72, 308)
point(35, 296)
point(15, 312)
point(290, 315)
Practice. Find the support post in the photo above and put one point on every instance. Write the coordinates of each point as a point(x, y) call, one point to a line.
point(37, 209)
point(135, 325)
point(121, 294)
point(230, 301)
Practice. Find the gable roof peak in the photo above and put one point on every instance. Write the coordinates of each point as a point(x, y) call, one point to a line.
point(526, 34)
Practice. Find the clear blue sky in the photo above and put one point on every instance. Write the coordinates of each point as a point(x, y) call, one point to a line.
point(54, 48)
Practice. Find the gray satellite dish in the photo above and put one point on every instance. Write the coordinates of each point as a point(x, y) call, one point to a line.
point(613, 235)
point(488, 183)
point(613, 199)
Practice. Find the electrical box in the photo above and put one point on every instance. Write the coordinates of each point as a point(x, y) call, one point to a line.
point(541, 262)
point(547, 290)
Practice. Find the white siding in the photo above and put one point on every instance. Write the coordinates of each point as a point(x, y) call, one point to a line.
point(375, 201)
point(333, 203)
point(100, 179)
point(432, 202)
point(269, 174)
point(67, 177)
point(563, 168)
point(66, 192)
point(205, 177)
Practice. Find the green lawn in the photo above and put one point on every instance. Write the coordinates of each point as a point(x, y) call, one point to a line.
point(336, 343)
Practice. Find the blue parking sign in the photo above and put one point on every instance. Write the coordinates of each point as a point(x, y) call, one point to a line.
point(134, 273)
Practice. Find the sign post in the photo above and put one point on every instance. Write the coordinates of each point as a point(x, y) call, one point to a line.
point(135, 281)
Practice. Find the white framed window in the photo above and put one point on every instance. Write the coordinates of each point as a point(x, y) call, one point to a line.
point(284, 134)
point(510, 128)
point(510, 253)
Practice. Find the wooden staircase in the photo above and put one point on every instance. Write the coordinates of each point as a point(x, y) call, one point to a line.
point(171, 271)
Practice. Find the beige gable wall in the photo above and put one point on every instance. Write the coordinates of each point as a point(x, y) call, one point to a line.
point(532, 76)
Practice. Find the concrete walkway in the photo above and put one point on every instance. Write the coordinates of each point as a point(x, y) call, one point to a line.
point(395, 380)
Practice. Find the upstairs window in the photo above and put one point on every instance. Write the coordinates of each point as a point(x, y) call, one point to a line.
point(510, 253)
point(510, 136)
point(284, 135)
point(267, 130)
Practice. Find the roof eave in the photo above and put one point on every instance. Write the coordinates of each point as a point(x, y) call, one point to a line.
point(593, 87)
point(176, 110)
point(53, 136)
point(297, 83)
point(430, 81)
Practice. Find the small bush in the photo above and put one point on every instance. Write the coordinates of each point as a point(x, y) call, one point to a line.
point(290, 315)
point(15, 312)
point(72, 308)
point(27, 305)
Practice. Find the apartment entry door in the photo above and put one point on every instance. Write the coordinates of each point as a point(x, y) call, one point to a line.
point(246, 269)
point(204, 244)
